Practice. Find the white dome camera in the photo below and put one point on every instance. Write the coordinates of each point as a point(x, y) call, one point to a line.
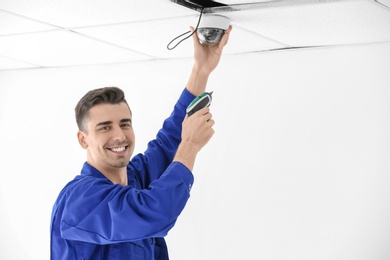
point(211, 28)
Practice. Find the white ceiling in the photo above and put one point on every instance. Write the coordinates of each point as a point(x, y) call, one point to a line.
point(60, 33)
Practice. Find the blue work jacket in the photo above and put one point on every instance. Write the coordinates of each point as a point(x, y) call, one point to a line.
point(94, 219)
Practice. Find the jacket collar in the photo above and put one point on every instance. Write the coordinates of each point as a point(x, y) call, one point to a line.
point(89, 170)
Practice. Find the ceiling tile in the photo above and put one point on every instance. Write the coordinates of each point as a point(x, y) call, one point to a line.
point(152, 37)
point(94, 12)
point(14, 24)
point(66, 33)
point(344, 22)
point(63, 48)
point(8, 64)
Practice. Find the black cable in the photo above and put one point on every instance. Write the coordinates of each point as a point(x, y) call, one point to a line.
point(169, 48)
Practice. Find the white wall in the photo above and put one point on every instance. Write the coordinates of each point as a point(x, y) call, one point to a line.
point(298, 168)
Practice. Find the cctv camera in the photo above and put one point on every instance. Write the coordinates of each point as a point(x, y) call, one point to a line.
point(211, 28)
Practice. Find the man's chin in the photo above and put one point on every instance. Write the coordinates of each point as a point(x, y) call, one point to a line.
point(120, 164)
point(123, 164)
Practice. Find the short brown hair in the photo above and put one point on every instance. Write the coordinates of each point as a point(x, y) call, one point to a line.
point(106, 95)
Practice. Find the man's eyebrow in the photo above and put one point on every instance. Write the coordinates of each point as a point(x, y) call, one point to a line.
point(104, 123)
point(126, 120)
point(110, 122)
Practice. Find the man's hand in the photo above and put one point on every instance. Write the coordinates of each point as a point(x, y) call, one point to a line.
point(206, 59)
point(196, 133)
point(197, 129)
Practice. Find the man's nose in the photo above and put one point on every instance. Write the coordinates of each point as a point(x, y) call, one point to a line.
point(118, 134)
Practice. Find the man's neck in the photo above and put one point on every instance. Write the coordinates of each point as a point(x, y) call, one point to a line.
point(115, 175)
point(119, 177)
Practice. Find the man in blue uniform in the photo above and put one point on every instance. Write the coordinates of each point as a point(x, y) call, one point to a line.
point(119, 208)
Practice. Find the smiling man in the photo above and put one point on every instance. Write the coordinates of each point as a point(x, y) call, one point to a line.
point(119, 208)
point(108, 135)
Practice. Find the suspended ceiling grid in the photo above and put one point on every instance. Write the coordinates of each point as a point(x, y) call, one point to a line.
point(63, 33)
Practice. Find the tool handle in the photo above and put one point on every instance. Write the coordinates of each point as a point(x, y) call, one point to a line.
point(199, 102)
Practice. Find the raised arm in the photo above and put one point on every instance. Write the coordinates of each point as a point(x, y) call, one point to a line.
point(206, 59)
point(197, 129)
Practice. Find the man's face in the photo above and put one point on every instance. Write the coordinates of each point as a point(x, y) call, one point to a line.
point(110, 139)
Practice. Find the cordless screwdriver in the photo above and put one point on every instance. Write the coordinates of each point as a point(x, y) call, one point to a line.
point(201, 101)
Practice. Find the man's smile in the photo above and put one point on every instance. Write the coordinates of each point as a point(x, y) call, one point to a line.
point(120, 149)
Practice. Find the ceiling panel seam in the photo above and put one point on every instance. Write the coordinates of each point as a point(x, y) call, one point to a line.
point(33, 32)
point(19, 60)
point(380, 4)
point(230, 54)
point(100, 25)
point(264, 37)
point(31, 19)
point(317, 47)
point(130, 22)
point(269, 4)
point(111, 44)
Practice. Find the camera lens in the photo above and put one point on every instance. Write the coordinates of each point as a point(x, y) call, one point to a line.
point(210, 35)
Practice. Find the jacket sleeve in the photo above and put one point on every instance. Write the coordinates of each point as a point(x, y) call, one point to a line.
point(96, 211)
point(160, 151)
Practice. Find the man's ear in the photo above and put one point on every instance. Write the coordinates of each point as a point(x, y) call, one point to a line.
point(82, 139)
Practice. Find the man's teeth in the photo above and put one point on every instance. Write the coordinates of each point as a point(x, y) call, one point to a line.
point(118, 149)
